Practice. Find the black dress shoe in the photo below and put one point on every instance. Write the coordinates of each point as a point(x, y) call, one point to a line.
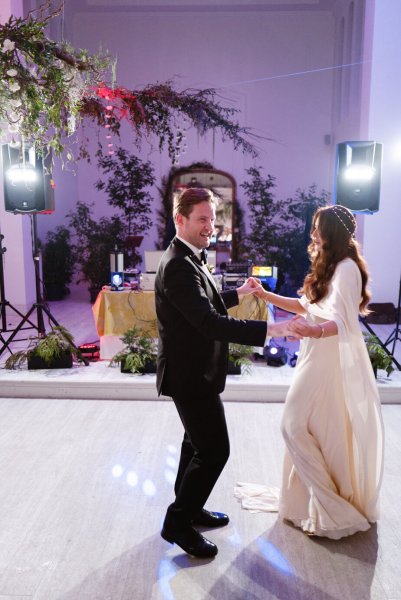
point(191, 541)
point(207, 518)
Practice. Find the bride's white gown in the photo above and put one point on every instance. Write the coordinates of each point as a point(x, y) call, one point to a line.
point(332, 425)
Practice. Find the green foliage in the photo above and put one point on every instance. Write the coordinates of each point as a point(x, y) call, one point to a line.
point(140, 349)
point(279, 229)
point(48, 89)
point(58, 260)
point(95, 240)
point(48, 348)
point(128, 176)
point(239, 355)
point(378, 356)
point(42, 82)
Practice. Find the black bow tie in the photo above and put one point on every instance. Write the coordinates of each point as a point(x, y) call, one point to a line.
point(203, 256)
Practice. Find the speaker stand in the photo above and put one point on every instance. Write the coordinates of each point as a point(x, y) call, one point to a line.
point(39, 306)
point(394, 335)
point(5, 303)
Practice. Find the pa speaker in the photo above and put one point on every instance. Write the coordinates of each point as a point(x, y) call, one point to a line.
point(28, 187)
point(358, 176)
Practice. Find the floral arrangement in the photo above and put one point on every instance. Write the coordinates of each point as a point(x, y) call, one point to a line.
point(42, 83)
point(48, 88)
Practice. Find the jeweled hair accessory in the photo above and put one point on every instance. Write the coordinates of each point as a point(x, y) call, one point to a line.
point(338, 210)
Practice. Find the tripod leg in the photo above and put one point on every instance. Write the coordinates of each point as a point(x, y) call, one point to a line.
point(17, 330)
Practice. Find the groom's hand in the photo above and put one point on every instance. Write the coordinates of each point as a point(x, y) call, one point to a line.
point(251, 286)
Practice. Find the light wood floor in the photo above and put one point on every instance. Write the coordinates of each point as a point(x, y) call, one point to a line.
point(84, 487)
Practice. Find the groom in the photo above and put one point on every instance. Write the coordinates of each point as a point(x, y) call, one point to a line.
point(194, 331)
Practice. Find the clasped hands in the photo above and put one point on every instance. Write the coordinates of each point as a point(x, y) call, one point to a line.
point(295, 328)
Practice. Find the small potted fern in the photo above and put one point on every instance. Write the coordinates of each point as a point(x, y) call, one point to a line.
point(379, 358)
point(54, 350)
point(239, 359)
point(139, 354)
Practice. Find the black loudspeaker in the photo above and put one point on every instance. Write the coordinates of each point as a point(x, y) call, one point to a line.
point(358, 176)
point(28, 187)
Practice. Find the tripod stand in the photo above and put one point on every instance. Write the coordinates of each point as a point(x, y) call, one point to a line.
point(396, 334)
point(39, 306)
point(5, 303)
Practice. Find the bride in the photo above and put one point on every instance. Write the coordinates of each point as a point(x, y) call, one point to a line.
point(332, 423)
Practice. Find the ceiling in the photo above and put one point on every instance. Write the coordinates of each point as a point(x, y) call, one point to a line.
point(204, 5)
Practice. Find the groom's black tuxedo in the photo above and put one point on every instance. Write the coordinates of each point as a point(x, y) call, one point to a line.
point(194, 328)
point(194, 331)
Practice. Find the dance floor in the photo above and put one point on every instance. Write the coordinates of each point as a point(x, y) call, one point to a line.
point(87, 475)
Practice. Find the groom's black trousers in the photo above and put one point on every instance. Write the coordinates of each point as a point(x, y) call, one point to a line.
point(204, 452)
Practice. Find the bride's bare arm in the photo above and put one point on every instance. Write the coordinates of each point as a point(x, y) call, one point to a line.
point(292, 305)
point(301, 327)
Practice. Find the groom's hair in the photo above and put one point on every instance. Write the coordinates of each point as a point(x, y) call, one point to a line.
point(184, 203)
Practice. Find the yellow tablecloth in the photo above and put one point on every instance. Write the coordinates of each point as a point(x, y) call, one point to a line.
point(115, 312)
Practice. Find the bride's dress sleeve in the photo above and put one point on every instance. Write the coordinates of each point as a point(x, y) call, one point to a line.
point(360, 389)
point(361, 394)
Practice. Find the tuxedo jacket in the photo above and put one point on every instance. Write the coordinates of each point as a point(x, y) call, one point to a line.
point(194, 327)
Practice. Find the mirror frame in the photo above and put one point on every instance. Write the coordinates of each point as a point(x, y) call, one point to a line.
point(208, 168)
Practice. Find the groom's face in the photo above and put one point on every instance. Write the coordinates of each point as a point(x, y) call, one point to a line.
point(198, 227)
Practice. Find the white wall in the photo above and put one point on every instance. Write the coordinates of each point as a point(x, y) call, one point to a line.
point(383, 230)
point(274, 67)
point(265, 63)
point(18, 263)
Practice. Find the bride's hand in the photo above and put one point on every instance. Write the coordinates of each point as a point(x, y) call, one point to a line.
point(257, 288)
point(282, 329)
point(299, 326)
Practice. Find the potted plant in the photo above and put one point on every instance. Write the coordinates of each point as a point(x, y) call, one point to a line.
point(139, 354)
point(128, 178)
point(95, 240)
point(279, 230)
point(379, 358)
point(55, 350)
point(58, 263)
point(239, 359)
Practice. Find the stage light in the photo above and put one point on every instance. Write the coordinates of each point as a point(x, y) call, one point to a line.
point(117, 270)
point(293, 359)
point(90, 351)
point(359, 173)
point(117, 281)
point(22, 174)
point(275, 356)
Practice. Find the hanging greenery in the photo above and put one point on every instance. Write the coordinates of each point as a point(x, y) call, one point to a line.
point(43, 83)
point(161, 111)
point(48, 88)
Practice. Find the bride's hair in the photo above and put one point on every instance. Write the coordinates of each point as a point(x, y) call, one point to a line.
point(336, 227)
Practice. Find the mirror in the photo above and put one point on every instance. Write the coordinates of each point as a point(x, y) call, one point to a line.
point(224, 188)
